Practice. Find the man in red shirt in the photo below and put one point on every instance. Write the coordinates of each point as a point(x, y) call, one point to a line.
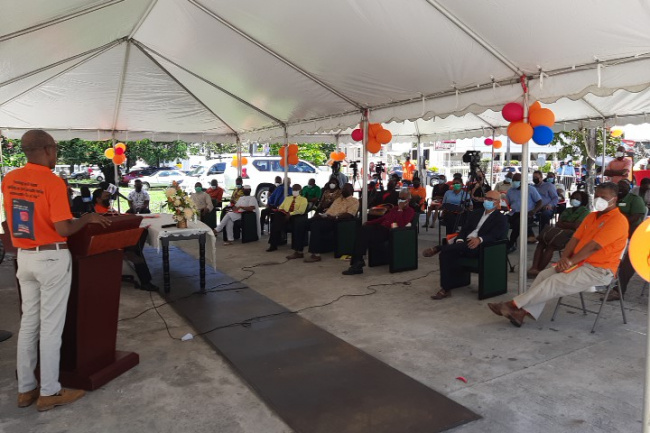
point(376, 231)
point(620, 167)
point(39, 220)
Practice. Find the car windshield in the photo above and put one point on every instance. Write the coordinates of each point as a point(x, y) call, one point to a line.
point(198, 171)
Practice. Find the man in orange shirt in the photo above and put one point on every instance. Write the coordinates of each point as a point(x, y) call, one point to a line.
point(39, 220)
point(591, 258)
point(407, 170)
point(620, 167)
point(418, 195)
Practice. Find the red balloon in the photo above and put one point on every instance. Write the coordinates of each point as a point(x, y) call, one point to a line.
point(357, 135)
point(488, 142)
point(513, 112)
point(119, 151)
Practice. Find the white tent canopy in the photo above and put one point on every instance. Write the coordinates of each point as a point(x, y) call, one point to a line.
point(219, 69)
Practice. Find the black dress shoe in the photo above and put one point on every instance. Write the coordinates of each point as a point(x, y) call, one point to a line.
point(149, 287)
point(271, 248)
point(5, 335)
point(353, 270)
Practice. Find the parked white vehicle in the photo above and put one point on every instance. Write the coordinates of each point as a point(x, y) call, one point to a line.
point(161, 178)
point(205, 172)
point(260, 173)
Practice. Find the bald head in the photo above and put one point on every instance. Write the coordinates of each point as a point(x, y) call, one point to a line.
point(39, 148)
point(495, 195)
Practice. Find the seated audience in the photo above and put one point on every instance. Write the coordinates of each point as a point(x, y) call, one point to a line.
point(215, 192)
point(312, 193)
point(236, 195)
point(330, 192)
point(591, 258)
point(643, 190)
point(437, 195)
point(321, 226)
point(486, 224)
point(454, 202)
point(244, 203)
point(285, 215)
point(102, 202)
point(458, 176)
point(477, 191)
point(389, 196)
point(549, 196)
point(553, 239)
point(202, 201)
point(376, 232)
point(273, 201)
point(83, 203)
point(503, 186)
point(513, 197)
point(138, 199)
point(418, 195)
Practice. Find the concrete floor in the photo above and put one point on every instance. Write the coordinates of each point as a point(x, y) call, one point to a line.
point(544, 377)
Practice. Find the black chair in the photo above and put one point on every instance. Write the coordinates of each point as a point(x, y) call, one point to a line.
point(245, 228)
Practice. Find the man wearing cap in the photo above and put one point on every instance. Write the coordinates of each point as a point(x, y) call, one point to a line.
point(620, 167)
point(39, 220)
point(244, 203)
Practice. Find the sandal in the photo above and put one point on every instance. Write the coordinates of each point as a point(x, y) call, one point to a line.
point(442, 294)
point(430, 252)
point(227, 243)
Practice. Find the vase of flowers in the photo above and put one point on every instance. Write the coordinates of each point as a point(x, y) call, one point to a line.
point(180, 204)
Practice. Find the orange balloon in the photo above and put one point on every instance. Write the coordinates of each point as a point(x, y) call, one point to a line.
point(497, 144)
point(534, 106)
point(282, 150)
point(543, 116)
point(244, 161)
point(373, 146)
point(384, 136)
point(119, 159)
point(639, 250)
point(520, 132)
point(340, 155)
point(293, 149)
point(282, 162)
point(293, 159)
point(121, 145)
point(373, 129)
point(334, 156)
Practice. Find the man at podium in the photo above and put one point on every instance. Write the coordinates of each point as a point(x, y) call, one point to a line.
point(39, 220)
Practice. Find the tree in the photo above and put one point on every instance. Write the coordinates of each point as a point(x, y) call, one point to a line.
point(316, 153)
point(12, 154)
point(155, 153)
point(77, 152)
point(574, 144)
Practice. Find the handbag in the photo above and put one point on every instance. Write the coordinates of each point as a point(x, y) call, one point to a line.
point(555, 237)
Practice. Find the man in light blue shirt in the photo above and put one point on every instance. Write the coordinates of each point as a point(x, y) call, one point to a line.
point(514, 199)
point(548, 193)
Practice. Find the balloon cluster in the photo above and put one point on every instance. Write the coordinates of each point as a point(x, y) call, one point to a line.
point(116, 153)
point(337, 156)
point(538, 127)
point(234, 161)
point(377, 136)
point(292, 156)
point(494, 143)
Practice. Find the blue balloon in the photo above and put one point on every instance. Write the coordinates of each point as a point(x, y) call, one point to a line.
point(542, 135)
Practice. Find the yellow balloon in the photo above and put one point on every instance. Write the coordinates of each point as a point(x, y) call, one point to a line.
point(109, 153)
point(639, 250)
point(121, 145)
point(617, 132)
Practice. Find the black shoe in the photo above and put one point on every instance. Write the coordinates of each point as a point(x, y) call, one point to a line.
point(512, 249)
point(353, 270)
point(149, 287)
point(271, 248)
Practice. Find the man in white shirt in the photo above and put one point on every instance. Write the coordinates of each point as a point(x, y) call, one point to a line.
point(201, 200)
point(245, 203)
point(138, 199)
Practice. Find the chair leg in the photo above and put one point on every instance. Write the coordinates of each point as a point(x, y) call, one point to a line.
point(557, 307)
point(602, 304)
point(582, 301)
point(645, 286)
point(621, 301)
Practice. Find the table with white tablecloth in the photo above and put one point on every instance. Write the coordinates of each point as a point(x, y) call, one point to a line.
point(159, 237)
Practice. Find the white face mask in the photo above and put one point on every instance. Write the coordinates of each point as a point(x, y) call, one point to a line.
point(600, 204)
point(278, 183)
point(295, 193)
point(332, 185)
point(575, 203)
point(620, 154)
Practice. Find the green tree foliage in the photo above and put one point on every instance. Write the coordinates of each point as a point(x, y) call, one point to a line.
point(573, 144)
point(155, 153)
point(316, 153)
point(12, 154)
point(77, 152)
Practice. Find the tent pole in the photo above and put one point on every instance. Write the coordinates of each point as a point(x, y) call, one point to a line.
point(286, 162)
point(420, 162)
point(492, 182)
point(364, 194)
point(238, 157)
point(117, 181)
point(602, 167)
point(523, 215)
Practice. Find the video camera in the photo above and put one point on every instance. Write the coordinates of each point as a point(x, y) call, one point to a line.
point(473, 157)
point(380, 167)
point(353, 164)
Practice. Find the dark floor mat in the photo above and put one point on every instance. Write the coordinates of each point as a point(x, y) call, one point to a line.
point(314, 381)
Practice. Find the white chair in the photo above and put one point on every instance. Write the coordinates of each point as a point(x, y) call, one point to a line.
point(615, 282)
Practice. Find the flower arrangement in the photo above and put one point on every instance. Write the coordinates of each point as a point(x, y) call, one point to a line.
point(180, 204)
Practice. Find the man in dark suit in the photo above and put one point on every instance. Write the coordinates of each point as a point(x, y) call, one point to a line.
point(483, 225)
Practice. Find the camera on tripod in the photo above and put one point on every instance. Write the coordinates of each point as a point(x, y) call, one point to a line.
point(473, 157)
point(353, 165)
point(380, 168)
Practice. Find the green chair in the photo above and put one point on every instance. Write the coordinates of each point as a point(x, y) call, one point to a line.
point(345, 235)
point(400, 253)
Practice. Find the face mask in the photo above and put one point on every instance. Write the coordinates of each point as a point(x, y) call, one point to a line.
point(295, 193)
point(332, 185)
point(600, 204)
point(239, 186)
point(507, 180)
point(214, 186)
point(277, 184)
point(457, 187)
point(400, 201)
point(86, 199)
point(620, 154)
point(198, 189)
point(488, 205)
point(536, 181)
point(516, 184)
point(575, 203)
point(550, 179)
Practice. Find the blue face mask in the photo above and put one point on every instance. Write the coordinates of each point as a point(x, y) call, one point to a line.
point(550, 179)
point(575, 203)
point(86, 199)
point(516, 184)
point(488, 205)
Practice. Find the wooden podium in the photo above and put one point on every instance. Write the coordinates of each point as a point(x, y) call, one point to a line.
point(88, 356)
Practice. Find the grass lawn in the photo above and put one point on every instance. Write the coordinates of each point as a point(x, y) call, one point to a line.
point(157, 196)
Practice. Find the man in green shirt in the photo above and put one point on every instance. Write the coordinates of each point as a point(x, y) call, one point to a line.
point(634, 209)
point(312, 193)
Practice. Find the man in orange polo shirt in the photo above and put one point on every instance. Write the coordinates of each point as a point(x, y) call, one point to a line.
point(591, 258)
point(39, 220)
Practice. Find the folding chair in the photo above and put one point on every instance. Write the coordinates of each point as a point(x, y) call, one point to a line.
point(610, 286)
